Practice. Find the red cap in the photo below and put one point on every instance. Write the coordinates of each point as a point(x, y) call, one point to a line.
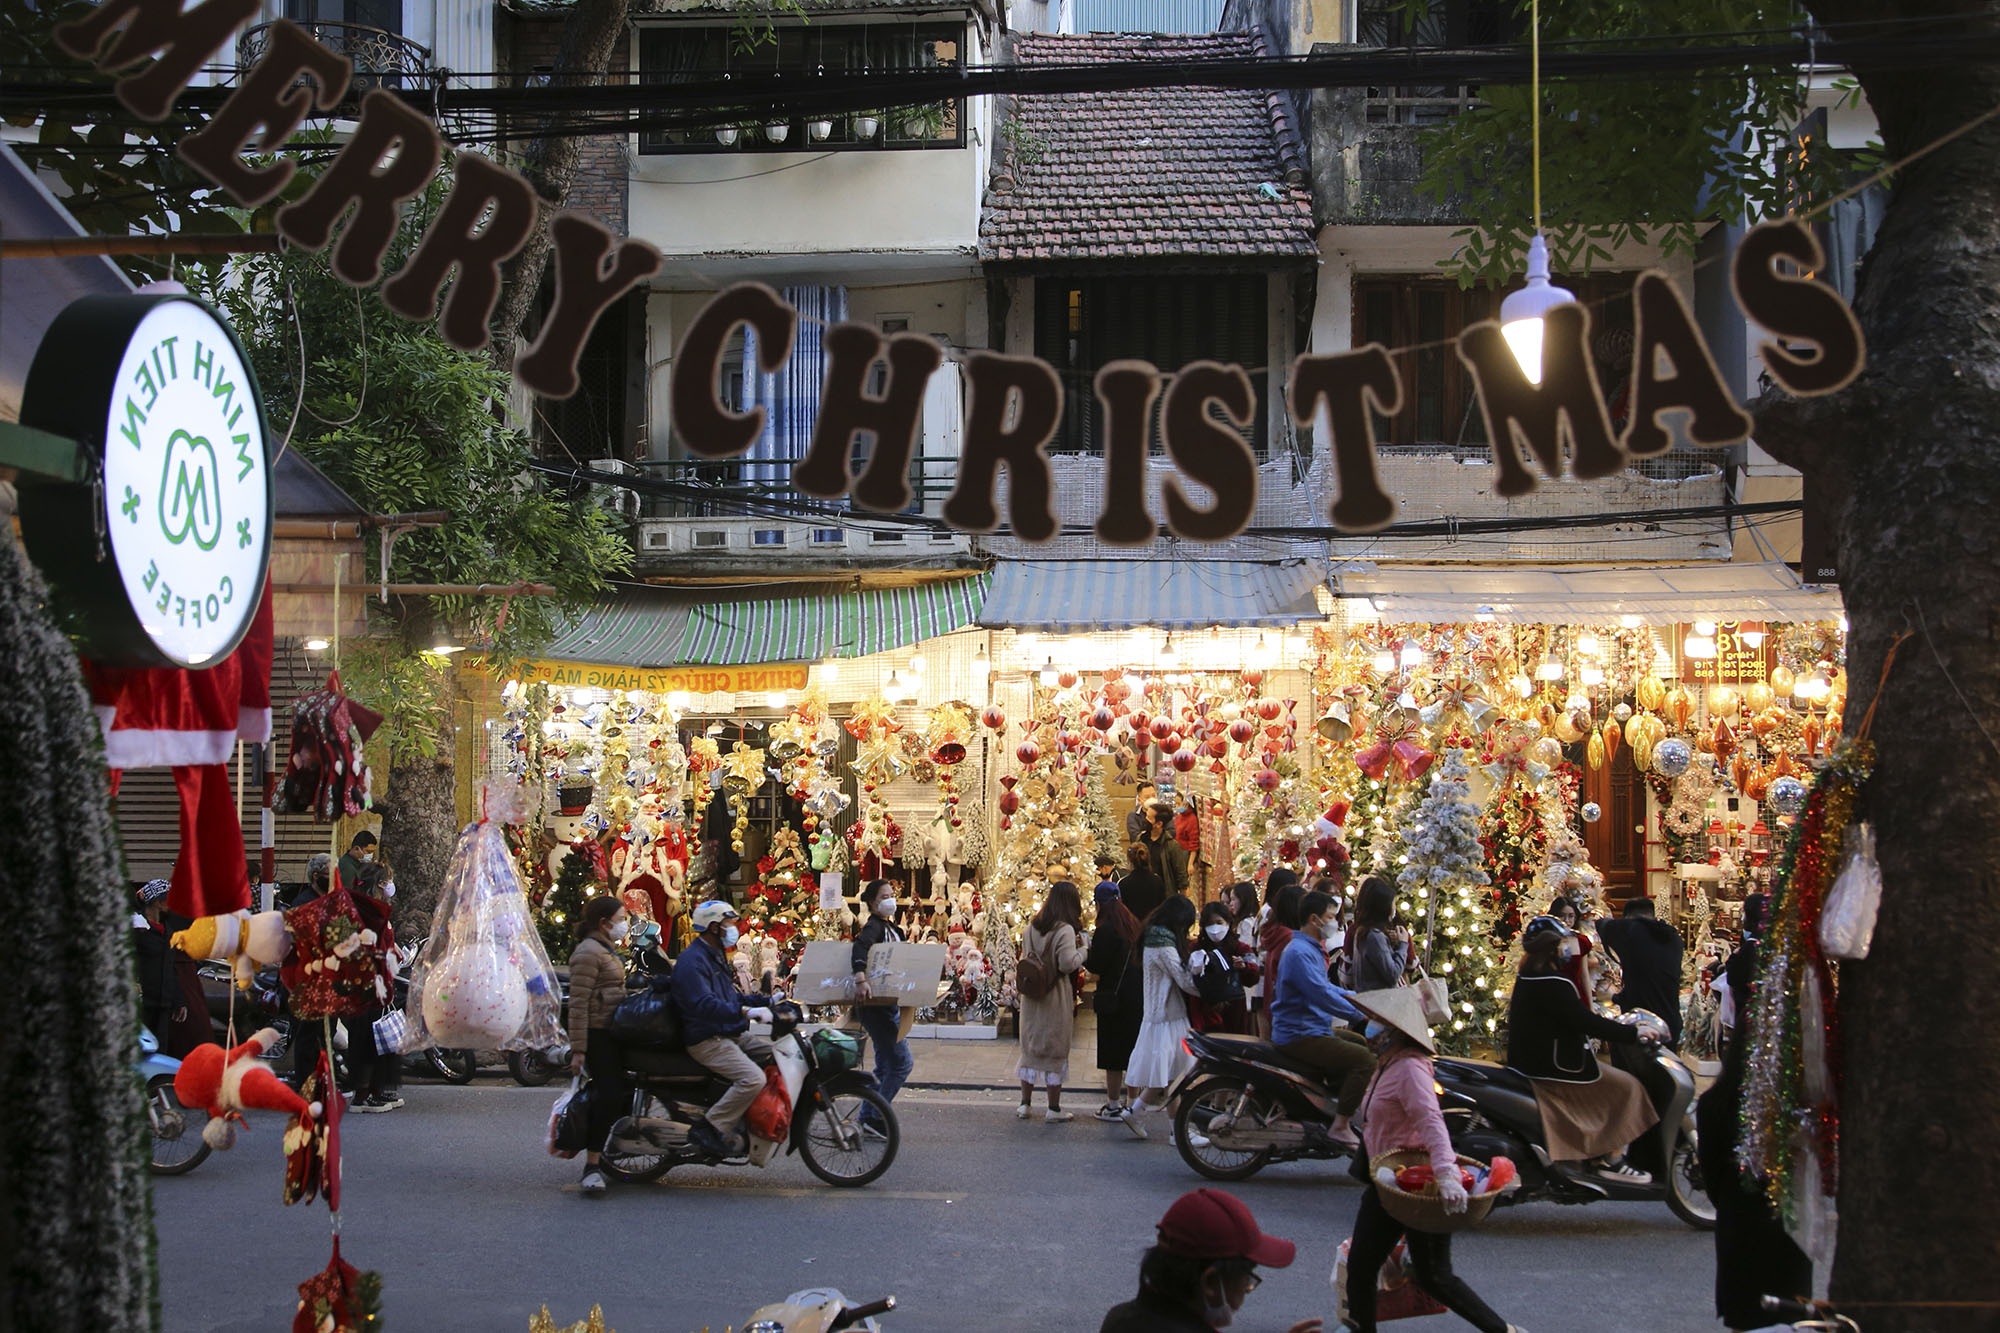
point(1209, 1224)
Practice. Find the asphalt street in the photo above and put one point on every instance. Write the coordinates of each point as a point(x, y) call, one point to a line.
point(984, 1222)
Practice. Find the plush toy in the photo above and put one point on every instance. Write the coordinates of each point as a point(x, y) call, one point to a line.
point(228, 1083)
point(243, 940)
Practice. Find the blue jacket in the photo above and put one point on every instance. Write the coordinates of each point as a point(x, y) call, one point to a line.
point(1308, 1003)
point(705, 992)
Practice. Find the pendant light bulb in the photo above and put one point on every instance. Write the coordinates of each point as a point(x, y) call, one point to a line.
point(982, 665)
point(1550, 669)
point(1384, 663)
point(1047, 675)
point(1521, 313)
point(1412, 655)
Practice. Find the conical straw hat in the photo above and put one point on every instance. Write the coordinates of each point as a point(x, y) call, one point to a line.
point(1399, 1007)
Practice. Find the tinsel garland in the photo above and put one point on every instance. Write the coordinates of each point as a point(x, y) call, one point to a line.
point(1791, 1092)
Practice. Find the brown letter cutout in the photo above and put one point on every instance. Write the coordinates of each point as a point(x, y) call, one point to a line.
point(1662, 325)
point(456, 239)
point(1349, 383)
point(261, 115)
point(184, 42)
point(1797, 307)
point(1567, 404)
point(1026, 392)
point(358, 178)
point(1127, 390)
point(1209, 451)
point(700, 420)
point(847, 409)
point(586, 285)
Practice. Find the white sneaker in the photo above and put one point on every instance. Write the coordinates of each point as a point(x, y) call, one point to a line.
point(1057, 1117)
point(593, 1183)
point(1622, 1174)
point(1131, 1119)
point(1021, 1111)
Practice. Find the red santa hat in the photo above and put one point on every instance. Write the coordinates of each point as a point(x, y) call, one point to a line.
point(228, 1083)
point(1333, 823)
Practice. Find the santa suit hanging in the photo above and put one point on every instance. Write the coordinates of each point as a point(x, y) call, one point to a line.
point(190, 721)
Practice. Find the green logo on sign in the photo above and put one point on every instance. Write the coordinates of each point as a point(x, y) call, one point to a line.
point(191, 492)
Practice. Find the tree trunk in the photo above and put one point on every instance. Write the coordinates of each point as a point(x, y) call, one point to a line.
point(1916, 441)
point(76, 1225)
point(590, 34)
point(419, 829)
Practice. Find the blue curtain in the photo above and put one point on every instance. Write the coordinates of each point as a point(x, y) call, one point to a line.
point(790, 397)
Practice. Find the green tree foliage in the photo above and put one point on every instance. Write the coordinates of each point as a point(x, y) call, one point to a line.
point(1634, 159)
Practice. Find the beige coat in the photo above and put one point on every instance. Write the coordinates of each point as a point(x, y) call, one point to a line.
point(596, 987)
point(1047, 1023)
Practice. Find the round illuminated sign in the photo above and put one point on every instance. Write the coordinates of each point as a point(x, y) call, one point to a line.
point(166, 549)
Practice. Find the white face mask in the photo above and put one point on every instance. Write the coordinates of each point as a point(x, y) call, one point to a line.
point(389, 890)
point(885, 906)
point(620, 930)
point(1219, 1315)
point(1216, 930)
point(729, 937)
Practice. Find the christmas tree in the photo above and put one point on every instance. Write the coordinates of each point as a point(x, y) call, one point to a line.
point(1107, 829)
point(789, 892)
point(575, 882)
point(1516, 845)
point(1444, 874)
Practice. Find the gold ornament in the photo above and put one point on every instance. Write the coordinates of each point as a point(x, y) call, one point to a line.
point(1782, 681)
point(545, 1323)
point(1652, 693)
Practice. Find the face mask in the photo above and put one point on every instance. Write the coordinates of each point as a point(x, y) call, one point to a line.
point(1217, 930)
point(1331, 939)
point(1220, 1314)
point(620, 931)
point(885, 907)
point(729, 937)
point(1570, 949)
point(389, 889)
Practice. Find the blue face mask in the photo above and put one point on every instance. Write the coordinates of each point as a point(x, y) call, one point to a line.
point(729, 937)
point(1376, 1030)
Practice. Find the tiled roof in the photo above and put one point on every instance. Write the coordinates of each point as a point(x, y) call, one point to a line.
point(1208, 175)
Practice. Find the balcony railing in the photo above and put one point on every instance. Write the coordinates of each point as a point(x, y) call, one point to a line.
point(381, 59)
point(717, 488)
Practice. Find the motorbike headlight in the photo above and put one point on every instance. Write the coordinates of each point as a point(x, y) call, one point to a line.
point(1437, 1088)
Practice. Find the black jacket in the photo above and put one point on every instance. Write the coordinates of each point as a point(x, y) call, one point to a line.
point(1142, 891)
point(1546, 1029)
point(1149, 1312)
point(1110, 960)
point(1650, 952)
point(875, 930)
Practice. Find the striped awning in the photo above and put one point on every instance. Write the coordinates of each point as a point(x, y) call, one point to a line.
point(849, 624)
point(1072, 596)
point(640, 628)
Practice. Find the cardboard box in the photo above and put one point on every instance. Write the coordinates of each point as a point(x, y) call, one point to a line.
point(826, 973)
point(905, 973)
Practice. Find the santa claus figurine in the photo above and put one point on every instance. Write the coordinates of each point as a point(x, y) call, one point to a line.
point(228, 1083)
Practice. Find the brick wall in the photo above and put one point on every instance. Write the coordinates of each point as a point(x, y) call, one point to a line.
point(601, 186)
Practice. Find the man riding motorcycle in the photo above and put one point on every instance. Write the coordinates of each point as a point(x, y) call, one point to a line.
point(1308, 1014)
point(715, 1018)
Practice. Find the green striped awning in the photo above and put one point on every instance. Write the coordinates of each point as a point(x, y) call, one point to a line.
point(849, 624)
point(639, 628)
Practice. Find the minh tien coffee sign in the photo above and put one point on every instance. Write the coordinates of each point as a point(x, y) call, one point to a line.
point(1554, 425)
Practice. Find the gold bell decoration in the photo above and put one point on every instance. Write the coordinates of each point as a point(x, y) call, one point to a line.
point(1336, 723)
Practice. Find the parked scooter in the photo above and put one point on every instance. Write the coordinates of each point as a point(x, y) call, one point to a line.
point(178, 1146)
point(1245, 1105)
point(828, 1092)
point(1491, 1111)
point(822, 1310)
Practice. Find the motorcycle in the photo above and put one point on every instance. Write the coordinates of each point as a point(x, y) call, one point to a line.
point(1491, 1111)
point(178, 1146)
point(671, 1089)
point(1244, 1105)
point(821, 1310)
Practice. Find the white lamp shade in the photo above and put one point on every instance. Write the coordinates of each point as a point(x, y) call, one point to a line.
point(1521, 313)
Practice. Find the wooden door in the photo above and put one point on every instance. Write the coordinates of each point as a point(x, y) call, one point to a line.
point(1617, 841)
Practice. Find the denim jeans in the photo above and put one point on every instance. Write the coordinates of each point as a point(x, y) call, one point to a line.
point(893, 1059)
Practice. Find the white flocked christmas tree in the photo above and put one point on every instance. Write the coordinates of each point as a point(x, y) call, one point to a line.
point(1445, 884)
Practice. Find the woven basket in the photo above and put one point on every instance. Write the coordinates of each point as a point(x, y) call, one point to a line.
point(1425, 1212)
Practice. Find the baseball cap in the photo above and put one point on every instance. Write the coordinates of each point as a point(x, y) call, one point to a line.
point(1210, 1224)
point(712, 911)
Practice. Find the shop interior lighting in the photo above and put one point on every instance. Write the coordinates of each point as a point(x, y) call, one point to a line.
point(982, 665)
point(679, 699)
point(1167, 654)
point(1523, 687)
point(1550, 669)
point(918, 662)
point(1843, 622)
point(1521, 313)
point(892, 689)
point(1586, 643)
point(1705, 628)
point(1698, 646)
point(1384, 663)
point(714, 728)
point(321, 645)
point(1260, 655)
point(1753, 633)
point(775, 699)
point(1411, 654)
point(1816, 686)
point(1047, 675)
point(1592, 675)
point(1631, 622)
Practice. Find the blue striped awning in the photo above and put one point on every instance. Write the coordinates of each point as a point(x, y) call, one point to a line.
point(1074, 596)
point(850, 624)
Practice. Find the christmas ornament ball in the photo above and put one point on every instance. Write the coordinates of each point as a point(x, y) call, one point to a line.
point(1623, 712)
point(1671, 757)
point(1184, 761)
point(1788, 795)
point(476, 999)
point(1592, 812)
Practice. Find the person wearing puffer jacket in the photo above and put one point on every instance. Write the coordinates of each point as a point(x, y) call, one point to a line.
point(596, 987)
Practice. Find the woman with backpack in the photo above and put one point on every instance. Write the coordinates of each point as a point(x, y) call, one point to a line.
point(1222, 967)
point(1159, 1059)
point(1044, 979)
point(1117, 1001)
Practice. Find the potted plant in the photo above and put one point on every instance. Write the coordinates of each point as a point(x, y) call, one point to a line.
point(866, 124)
point(922, 122)
point(778, 131)
point(819, 129)
point(727, 135)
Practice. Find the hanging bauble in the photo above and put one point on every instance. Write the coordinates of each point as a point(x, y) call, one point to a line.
point(1242, 731)
point(1592, 812)
point(1027, 752)
point(1651, 692)
point(1170, 743)
point(1782, 681)
point(1267, 779)
point(1270, 709)
point(1142, 722)
point(1161, 728)
point(1252, 677)
point(1112, 673)
point(1102, 717)
point(1759, 696)
point(1548, 752)
point(1184, 761)
point(1787, 795)
point(1010, 801)
point(1671, 757)
point(1066, 679)
point(1723, 702)
point(1623, 712)
point(993, 718)
point(1218, 747)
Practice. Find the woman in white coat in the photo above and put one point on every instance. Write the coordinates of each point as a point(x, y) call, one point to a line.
point(1159, 1059)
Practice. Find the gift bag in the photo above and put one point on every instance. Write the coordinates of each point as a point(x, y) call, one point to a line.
point(1397, 1295)
point(1436, 998)
point(770, 1116)
point(337, 968)
point(1847, 922)
point(569, 1121)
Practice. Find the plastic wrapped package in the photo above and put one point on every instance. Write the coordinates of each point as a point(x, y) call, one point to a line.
point(484, 982)
point(1847, 921)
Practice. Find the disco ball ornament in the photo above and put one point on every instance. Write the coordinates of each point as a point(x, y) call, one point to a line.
point(1787, 795)
point(1592, 812)
point(1623, 712)
point(1671, 757)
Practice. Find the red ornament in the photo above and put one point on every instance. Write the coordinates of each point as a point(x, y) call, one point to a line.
point(1010, 801)
point(1267, 779)
point(1141, 720)
point(994, 717)
point(1102, 718)
point(1184, 761)
point(1113, 673)
point(1253, 677)
point(1218, 747)
point(1170, 743)
point(1066, 679)
point(1027, 752)
point(1008, 781)
point(1270, 709)
point(1242, 731)
point(1161, 728)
